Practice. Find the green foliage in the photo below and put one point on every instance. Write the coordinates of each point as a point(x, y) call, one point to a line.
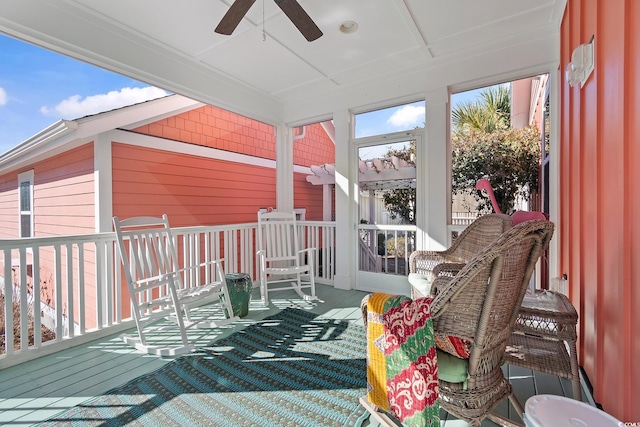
point(508, 158)
point(492, 112)
point(396, 247)
point(402, 203)
point(403, 153)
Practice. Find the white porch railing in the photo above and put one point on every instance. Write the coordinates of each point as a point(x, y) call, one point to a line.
point(73, 285)
point(386, 248)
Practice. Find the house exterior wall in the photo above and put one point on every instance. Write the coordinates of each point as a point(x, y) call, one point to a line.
point(63, 203)
point(9, 206)
point(191, 190)
point(64, 199)
point(216, 128)
point(600, 198)
point(315, 148)
point(63, 196)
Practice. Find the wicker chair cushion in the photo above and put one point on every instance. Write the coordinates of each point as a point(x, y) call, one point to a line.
point(452, 369)
point(453, 345)
point(421, 283)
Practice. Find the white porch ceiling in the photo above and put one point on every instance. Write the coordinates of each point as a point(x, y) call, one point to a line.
point(399, 44)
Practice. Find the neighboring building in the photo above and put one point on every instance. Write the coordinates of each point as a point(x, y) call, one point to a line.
point(199, 164)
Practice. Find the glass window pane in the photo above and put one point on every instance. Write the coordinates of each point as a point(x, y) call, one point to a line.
point(25, 225)
point(25, 196)
point(389, 120)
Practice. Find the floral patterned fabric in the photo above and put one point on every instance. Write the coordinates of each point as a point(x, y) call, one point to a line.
point(402, 372)
point(453, 345)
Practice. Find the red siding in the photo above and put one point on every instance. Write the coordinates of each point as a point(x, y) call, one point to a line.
point(307, 196)
point(316, 148)
point(63, 196)
point(191, 190)
point(64, 200)
point(213, 127)
point(64, 203)
point(599, 198)
point(9, 206)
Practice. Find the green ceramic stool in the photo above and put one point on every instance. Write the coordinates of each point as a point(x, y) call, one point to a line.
point(240, 287)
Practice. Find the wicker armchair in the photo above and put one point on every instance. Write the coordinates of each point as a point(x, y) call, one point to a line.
point(477, 236)
point(479, 306)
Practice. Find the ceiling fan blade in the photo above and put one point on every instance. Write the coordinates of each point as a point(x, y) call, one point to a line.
point(300, 19)
point(234, 15)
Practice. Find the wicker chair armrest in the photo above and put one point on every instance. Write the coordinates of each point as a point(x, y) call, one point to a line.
point(442, 275)
point(423, 262)
point(448, 269)
point(452, 293)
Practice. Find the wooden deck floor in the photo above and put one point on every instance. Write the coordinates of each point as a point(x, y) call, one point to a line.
point(36, 390)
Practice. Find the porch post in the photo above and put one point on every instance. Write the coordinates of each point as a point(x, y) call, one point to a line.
point(102, 183)
point(345, 187)
point(284, 168)
point(436, 176)
point(327, 196)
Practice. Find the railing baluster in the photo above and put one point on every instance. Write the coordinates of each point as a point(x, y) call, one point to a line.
point(81, 290)
point(24, 300)
point(70, 305)
point(100, 285)
point(114, 293)
point(8, 304)
point(58, 291)
point(37, 320)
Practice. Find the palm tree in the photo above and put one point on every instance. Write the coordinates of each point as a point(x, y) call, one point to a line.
point(490, 113)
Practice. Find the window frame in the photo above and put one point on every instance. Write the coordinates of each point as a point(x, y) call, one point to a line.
point(25, 178)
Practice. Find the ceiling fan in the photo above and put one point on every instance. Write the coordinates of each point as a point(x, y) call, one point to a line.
point(291, 8)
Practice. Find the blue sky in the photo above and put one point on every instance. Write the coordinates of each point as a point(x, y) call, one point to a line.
point(39, 87)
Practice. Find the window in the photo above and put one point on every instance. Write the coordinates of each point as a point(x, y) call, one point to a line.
point(301, 213)
point(25, 195)
point(490, 120)
point(390, 120)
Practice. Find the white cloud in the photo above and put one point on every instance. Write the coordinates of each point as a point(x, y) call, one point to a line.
point(3, 97)
point(407, 117)
point(75, 106)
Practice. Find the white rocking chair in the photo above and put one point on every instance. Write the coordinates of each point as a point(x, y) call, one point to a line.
point(279, 258)
point(156, 287)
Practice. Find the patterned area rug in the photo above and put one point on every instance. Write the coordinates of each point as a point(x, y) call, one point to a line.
point(291, 369)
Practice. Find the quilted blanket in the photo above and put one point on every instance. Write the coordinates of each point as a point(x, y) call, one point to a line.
point(402, 374)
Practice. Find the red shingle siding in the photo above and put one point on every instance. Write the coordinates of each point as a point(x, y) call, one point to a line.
point(316, 148)
point(212, 127)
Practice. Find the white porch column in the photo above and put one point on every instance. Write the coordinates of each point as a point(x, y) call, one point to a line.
point(284, 169)
point(345, 187)
point(327, 196)
point(102, 183)
point(435, 175)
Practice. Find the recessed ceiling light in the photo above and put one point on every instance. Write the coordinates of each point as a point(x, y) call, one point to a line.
point(349, 27)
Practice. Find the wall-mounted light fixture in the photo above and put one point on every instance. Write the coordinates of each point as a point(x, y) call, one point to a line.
point(581, 65)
